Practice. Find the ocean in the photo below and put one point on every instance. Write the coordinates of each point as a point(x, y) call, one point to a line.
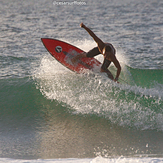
point(51, 114)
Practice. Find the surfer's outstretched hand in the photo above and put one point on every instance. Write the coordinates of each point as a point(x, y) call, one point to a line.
point(82, 25)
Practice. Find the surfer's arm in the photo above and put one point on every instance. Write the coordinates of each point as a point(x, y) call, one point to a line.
point(117, 65)
point(99, 42)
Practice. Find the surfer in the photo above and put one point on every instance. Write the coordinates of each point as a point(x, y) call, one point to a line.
point(108, 52)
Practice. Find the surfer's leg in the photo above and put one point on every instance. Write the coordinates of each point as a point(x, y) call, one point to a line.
point(93, 52)
point(104, 68)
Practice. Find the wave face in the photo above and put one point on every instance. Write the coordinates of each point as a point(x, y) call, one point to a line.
point(56, 110)
point(136, 105)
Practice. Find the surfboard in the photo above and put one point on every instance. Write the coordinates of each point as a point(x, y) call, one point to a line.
point(64, 52)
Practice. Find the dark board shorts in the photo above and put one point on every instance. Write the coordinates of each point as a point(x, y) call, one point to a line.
point(94, 52)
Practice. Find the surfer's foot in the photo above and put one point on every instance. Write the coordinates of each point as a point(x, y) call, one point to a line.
point(83, 53)
point(74, 59)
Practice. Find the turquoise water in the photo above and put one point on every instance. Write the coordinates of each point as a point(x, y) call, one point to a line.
point(48, 112)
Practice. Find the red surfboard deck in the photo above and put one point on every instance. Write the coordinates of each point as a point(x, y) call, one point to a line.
point(64, 52)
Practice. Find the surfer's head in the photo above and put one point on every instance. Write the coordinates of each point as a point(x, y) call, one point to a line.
point(107, 51)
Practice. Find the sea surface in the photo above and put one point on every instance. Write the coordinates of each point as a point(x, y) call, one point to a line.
point(51, 114)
